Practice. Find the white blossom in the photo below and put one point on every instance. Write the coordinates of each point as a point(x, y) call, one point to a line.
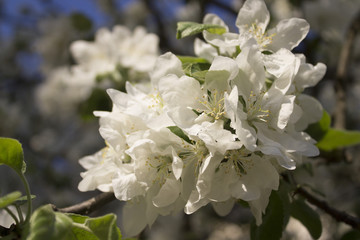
point(252, 22)
point(185, 141)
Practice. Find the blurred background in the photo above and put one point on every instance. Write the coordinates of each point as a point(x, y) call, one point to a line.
point(56, 127)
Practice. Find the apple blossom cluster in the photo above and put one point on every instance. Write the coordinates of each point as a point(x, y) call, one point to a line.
point(216, 135)
point(114, 57)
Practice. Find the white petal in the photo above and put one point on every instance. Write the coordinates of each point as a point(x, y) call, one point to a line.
point(133, 217)
point(184, 91)
point(272, 143)
point(194, 203)
point(285, 111)
point(160, 122)
point(231, 103)
point(118, 98)
point(284, 65)
point(295, 117)
point(204, 50)
point(98, 177)
point(252, 74)
point(126, 186)
point(225, 40)
point(288, 33)
point(188, 179)
point(261, 167)
point(223, 208)
point(211, 18)
point(258, 206)
point(312, 111)
point(168, 193)
point(177, 165)
point(253, 12)
point(206, 173)
point(245, 133)
point(221, 71)
point(90, 161)
point(279, 62)
point(216, 138)
point(309, 75)
point(183, 117)
point(166, 64)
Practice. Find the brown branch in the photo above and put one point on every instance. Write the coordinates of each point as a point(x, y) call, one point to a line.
point(340, 216)
point(341, 74)
point(89, 205)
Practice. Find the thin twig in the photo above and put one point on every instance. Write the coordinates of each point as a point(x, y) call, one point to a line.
point(89, 205)
point(340, 216)
point(341, 73)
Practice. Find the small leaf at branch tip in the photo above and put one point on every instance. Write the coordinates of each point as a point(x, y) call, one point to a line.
point(185, 29)
point(336, 138)
point(46, 224)
point(329, 138)
point(178, 132)
point(12, 155)
point(318, 130)
point(9, 199)
point(23, 200)
point(190, 59)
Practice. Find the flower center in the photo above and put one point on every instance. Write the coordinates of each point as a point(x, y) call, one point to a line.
point(262, 38)
point(194, 153)
point(156, 102)
point(161, 164)
point(107, 152)
point(239, 160)
point(254, 108)
point(214, 104)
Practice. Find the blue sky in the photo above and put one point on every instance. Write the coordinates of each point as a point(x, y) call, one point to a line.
point(11, 9)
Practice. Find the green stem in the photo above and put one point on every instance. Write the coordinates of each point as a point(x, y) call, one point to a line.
point(12, 215)
point(28, 195)
point(21, 217)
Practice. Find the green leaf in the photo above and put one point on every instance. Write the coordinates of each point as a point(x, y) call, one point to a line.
point(11, 154)
point(196, 70)
point(329, 138)
point(45, 224)
point(189, 59)
point(284, 189)
point(318, 130)
point(307, 216)
point(77, 218)
point(272, 222)
point(23, 200)
point(335, 138)
point(83, 232)
point(10, 198)
point(104, 227)
point(185, 29)
point(178, 132)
